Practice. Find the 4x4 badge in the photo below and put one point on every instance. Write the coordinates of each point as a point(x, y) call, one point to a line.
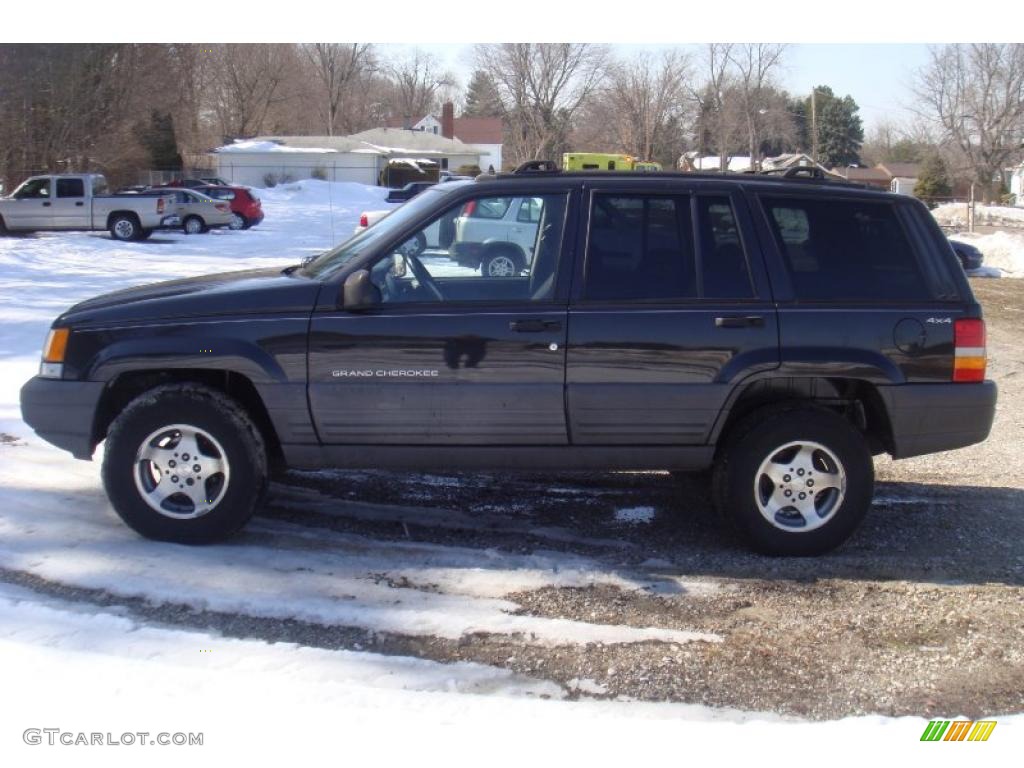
point(943, 320)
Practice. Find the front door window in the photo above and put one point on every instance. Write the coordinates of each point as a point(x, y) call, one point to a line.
point(491, 248)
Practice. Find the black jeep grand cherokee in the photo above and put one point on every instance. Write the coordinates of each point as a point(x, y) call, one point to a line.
point(777, 330)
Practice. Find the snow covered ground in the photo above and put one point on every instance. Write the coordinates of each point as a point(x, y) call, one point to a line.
point(1003, 251)
point(74, 653)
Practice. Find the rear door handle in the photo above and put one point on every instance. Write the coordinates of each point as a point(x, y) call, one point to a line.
point(46, 205)
point(534, 326)
point(79, 203)
point(740, 321)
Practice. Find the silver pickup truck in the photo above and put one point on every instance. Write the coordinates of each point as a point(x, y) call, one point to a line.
point(81, 202)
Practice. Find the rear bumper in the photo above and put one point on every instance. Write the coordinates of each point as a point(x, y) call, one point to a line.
point(928, 418)
point(62, 412)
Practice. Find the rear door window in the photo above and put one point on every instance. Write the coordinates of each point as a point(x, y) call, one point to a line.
point(70, 188)
point(845, 250)
point(724, 270)
point(640, 248)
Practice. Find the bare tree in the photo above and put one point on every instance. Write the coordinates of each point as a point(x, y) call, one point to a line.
point(642, 108)
point(755, 64)
point(718, 118)
point(247, 83)
point(337, 67)
point(417, 83)
point(975, 93)
point(541, 86)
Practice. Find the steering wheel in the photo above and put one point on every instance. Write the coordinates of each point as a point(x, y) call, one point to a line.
point(423, 276)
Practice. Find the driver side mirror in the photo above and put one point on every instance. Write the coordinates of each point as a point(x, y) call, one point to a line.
point(359, 292)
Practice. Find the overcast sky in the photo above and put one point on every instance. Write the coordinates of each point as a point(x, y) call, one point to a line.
point(878, 76)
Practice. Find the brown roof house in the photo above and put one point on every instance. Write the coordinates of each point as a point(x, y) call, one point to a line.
point(487, 133)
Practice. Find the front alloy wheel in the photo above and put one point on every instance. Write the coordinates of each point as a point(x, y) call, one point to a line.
point(194, 478)
point(181, 471)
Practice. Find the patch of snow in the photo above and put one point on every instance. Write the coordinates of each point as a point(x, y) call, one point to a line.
point(268, 146)
point(586, 685)
point(635, 515)
point(955, 215)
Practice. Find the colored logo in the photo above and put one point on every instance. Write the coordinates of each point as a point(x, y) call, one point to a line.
point(958, 730)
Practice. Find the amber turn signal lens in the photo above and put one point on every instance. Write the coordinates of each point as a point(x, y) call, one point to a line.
point(56, 345)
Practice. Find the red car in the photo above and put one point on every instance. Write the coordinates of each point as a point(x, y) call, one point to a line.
point(245, 206)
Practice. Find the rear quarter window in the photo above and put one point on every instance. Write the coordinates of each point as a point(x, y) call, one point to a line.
point(846, 250)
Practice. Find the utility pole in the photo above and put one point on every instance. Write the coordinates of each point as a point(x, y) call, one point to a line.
point(814, 126)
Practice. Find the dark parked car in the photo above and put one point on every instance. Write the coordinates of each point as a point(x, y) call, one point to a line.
point(408, 192)
point(970, 257)
point(196, 183)
point(777, 331)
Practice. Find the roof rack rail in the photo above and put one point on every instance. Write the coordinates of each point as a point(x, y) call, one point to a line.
point(537, 166)
point(798, 172)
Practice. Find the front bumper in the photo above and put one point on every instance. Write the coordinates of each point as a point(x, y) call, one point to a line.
point(928, 418)
point(62, 412)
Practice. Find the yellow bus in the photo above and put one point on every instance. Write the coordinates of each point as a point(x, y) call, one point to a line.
point(603, 161)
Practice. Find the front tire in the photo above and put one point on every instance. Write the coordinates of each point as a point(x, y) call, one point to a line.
point(193, 225)
point(153, 450)
point(794, 480)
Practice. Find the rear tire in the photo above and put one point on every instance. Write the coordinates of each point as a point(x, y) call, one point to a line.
point(144, 234)
point(794, 480)
point(501, 262)
point(124, 227)
point(152, 451)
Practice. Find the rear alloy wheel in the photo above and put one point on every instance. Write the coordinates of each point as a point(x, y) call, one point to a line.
point(124, 228)
point(500, 264)
point(193, 477)
point(193, 225)
point(237, 222)
point(794, 480)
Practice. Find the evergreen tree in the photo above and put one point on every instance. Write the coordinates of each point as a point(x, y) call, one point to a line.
point(482, 98)
point(840, 132)
point(933, 179)
point(158, 139)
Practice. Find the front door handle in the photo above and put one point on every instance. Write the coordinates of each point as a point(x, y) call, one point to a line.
point(80, 203)
point(534, 326)
point(740, 321)
point(46, 205)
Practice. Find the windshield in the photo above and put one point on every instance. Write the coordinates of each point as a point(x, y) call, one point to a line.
point(369, 238)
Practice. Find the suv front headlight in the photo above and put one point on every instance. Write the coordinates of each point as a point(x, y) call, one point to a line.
point(56, 346)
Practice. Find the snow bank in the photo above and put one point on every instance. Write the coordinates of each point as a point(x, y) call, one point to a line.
point(955, 215)
point(1002, 250)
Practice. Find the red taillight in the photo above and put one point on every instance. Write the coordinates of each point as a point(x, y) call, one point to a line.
point(364, 220)
point(468, 208)
point(160, 205)
point(223, 207)
point(969, 354)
